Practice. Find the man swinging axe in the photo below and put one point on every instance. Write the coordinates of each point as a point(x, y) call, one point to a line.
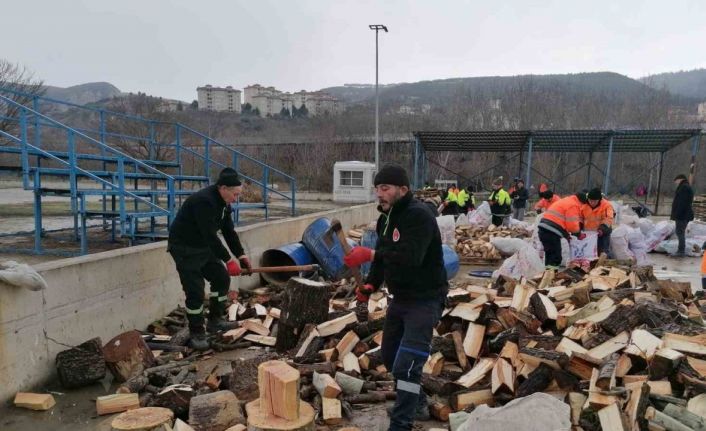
point(199, 254)
point(408, 258)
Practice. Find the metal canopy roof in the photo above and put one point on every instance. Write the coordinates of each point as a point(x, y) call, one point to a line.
point(658, 140)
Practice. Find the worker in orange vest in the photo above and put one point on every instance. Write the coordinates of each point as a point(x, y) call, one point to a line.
point(703, 269)
point(548, 197)
point(562, 219)
point(598, 216)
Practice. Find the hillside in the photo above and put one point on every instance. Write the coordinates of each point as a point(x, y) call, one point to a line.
point(83, 93)
point(690, 83)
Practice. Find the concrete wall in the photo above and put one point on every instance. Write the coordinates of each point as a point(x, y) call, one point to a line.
point(104, 294)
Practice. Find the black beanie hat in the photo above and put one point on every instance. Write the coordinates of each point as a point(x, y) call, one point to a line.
point(595, 194)
point(392, 174)
point(680, 177)
point(228, 177)
point(582, 196)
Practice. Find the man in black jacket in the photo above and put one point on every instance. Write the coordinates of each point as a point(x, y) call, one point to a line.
point(519, 200)
point(199, 254)
point(409, 260)
point(682, 211)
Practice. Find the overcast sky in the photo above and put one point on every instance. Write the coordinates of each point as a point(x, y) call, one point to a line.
point(168, 48)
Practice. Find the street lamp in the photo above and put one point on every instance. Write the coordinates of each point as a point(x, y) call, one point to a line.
point(377, 28)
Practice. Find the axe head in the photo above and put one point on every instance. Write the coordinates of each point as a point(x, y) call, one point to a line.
point(332, 232)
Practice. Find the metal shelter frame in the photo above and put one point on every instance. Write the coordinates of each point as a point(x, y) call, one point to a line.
point(570, 141)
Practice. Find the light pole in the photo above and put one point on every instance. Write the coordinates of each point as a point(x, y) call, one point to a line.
point(377, 28)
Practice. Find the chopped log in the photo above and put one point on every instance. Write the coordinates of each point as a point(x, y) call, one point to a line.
point(434, 364)
point(457, 339)
point(537, 381)
point(698, 365)
point(256, 326)
point(664, 363)
point(215, 411)
point(439, 385)
point(596, 399)
point(81, 365)
point(511, 352)
point(697, 405)
point(261, 339)
point(611, 418)
point(503, 377)
point(685, 344)
point(278, 385)
point(331, 411)
point(326, 386)
point(636, 406)
point(116, 403)
point(175, 398)
point(615, 344)
point(180, 425)
point(368, 328)
point(303, 301)
point(534, 357)
point(643, 344)
point(568, 346)
point(181, 337)
point(576, 402)
point(473, 342)
point(350, 363)
point(259, 421)
point(32, 401)
point(127, 355)
point(462, 400)
point(544, 342)
point(337, 325)
point(134, 385)
point(477, 373)
point(348, 384)
point(606, 373)
point(543, 307)
point(582, 365)
point(467, 311)
point(440, 411)
point(521, 296)
point(307, 370)
point(143, 419)
point(565, 380)
point(347, 344)
point(665, 421)
point(624, 318)
point(694, 421)
point(371, 397)
point(444, 345)
point(661, 401)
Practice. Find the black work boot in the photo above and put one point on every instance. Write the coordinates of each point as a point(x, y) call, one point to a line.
point(216, 322)
point(422, 413)
point(198, 341)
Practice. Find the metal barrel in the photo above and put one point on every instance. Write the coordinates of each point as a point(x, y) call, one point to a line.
point(326, 248)
point(287, 255)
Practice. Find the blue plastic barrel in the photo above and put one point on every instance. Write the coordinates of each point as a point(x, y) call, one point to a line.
point(326, 248)
point(451, 260)
point(286, 255)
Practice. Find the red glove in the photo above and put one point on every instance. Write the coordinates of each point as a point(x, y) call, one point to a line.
point(362, 293)
point(581, 236)
point(245, 263)
point(233, 268)
point(358, 256)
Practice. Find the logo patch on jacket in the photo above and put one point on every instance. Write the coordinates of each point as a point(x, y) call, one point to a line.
point(395, 235)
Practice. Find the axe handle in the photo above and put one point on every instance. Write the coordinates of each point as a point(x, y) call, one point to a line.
point(271, 269)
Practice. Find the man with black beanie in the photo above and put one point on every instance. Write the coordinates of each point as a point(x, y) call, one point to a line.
point(199, 254)
point(682, 211)
point(598, 215)
point(408, 258)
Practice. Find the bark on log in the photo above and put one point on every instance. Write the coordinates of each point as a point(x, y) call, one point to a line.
point(445, 346)
point(439, 385)
point(215, 412)
point(366, 329)
point(181, 337)
point(81, 365)
point(537, 381)
point(304, 301)
point(133, 385)
point(321, 368)
point(624, 318)
point(127, 355)
point(371, 397)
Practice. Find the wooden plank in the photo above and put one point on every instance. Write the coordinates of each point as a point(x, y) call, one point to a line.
point(615, 344)
point(635, 408)
point(685, 344)
point(254, 325)
point(331, 411)
point(595, 398)
point(568, 346)
point(32, 401)
point(261, 339)
point(610, 418)
point(350, 363)
point(467, 311)
point(117, 403)
point(460, 351)
point(643, 344)
point(473, 341)
point(234, 334)
point(335, 326)
point(477, 373)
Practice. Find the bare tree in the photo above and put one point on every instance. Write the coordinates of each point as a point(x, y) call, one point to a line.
point(19, 84)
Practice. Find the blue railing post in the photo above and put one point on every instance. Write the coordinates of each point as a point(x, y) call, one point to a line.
point(37, 213)
point(235, 161)
point(121, 189)
point(72, 180)
point(171, 200)
point(207, 160)
point(101, 131)
point(178, 147)
point(25, 149)
point(37, 124)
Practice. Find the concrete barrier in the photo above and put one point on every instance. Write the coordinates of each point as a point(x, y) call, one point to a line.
point(104, 294)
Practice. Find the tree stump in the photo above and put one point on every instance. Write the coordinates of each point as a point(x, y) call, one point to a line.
point(143, 419)
point(304, 301)
point(81, 365)
point(258, 421)
point(127, 355)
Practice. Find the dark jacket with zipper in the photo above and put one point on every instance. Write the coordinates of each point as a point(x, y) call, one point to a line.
point(682, 205)
point(196, 225)
point(519, 197)
point(408, 255)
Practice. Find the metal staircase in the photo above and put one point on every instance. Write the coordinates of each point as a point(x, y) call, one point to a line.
point(135, 197)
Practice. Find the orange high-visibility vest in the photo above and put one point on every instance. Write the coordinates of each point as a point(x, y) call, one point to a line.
point(703, 265)
point(594, 217)
point(566, 212)
point(544, 204)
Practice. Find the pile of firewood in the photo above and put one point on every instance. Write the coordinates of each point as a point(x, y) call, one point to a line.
point(473, 242)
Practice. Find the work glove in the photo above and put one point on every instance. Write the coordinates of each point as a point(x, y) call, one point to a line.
point(358, 256)
point(580, 236)
point(233, 268)
point(362, 293)
point(245, 263)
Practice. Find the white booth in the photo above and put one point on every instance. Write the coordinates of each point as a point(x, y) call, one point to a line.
point(353, 182)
